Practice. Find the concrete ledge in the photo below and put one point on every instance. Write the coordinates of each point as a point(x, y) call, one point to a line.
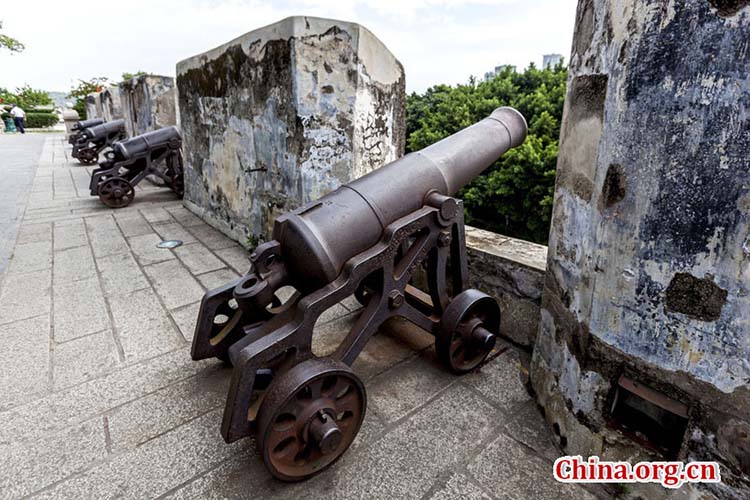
point(512, 271)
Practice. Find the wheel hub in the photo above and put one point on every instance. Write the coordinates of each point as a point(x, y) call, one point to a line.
point(467, 331)
point(325, 433)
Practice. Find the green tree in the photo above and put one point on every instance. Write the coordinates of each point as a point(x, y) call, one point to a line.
point(10, 43)
point(129, 76)
point(513, 196)
point(26, 97)
point(84, 88)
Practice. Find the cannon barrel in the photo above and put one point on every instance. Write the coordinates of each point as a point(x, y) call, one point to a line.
point(318, 238)
point(103, 129)
point(88, 123)
point(167, 137)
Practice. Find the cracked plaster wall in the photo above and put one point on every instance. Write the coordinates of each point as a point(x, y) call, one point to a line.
point(649, 261)
point(283, 115)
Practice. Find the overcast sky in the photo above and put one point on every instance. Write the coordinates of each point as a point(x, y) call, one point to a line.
point(437, 41)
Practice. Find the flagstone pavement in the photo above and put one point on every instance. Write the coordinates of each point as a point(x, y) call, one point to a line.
point(99, 397)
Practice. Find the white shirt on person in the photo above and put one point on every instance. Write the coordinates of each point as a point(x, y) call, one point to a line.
point(17, 112)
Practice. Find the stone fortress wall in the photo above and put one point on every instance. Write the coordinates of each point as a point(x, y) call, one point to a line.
point(640, 302)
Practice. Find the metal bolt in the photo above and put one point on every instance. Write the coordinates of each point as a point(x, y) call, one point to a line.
point(444, 239)
point(395, 299)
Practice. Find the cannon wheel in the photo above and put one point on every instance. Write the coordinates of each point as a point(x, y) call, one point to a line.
point(178, 185)
point(88, 157)
point(309, 417)
point(467, 331)
point(116, 192)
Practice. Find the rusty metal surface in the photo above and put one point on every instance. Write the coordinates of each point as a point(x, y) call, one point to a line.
point(366, 239)
point(655, 397)
point(129, 162)
point(311, 414)
point(92, 140)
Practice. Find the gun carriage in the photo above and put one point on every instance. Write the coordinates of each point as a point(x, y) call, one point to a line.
point(130, 161)
point(78, 127)
point(367, 238)
point(94, 139)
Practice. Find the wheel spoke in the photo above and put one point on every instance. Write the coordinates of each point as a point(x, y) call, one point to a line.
point(350, 402)
point(286, 437)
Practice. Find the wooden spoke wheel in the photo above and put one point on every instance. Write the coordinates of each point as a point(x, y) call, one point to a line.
point(467, 331)
point(309, 417)
point(116, 192)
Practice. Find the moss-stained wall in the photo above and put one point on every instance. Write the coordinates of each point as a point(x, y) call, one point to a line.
point(148, 103)
point(283, 115)
point(111, 104)
point(649, 252)
point(93, 105)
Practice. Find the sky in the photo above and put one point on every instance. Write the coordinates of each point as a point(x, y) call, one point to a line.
point(437, 41)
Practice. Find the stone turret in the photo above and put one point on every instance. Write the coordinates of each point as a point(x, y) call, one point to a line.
point(644, 345)
point(284, 114)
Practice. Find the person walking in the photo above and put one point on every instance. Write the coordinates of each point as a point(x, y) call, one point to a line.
point(18, 115)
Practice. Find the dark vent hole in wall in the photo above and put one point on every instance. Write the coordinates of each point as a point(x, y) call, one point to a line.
point(649, 417)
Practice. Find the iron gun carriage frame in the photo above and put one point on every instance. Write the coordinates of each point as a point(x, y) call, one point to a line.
point(79, 127)
point(94, 139)
point(129, 162)
point(306, 410)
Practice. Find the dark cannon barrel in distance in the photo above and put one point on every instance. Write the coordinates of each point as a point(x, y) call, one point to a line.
point(103, 129)
point(83, 124)
point(167, 137)
point(318, 238)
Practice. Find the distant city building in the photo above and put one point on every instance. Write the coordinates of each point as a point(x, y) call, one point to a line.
point(489, 75)
point(549, 61)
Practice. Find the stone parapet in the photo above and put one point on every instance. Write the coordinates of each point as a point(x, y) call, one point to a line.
point(148, 102)
point(644, 337)
point(283, 115)
point(512, 271)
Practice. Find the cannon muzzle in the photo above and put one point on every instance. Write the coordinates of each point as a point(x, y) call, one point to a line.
point(317, 239)
point(167, 137)
point(104, 130)
point(87, 123)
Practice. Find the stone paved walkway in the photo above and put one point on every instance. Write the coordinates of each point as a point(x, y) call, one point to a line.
point(18, 161)
point(101, 400)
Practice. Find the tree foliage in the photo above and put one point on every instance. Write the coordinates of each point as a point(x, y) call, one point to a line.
point(130, 76)
point(513, 196)
point(9, 43)
point(25, 97)
point(84, 88)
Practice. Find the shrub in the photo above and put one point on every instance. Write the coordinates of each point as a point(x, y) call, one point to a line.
point(41, 120)
point(36, 120)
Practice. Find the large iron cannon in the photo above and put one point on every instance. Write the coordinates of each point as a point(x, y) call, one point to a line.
point(92, 140)
point(79, 126)
point(367, 238)
point(128, 162)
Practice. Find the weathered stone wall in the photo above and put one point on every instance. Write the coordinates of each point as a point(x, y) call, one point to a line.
point(148, 103)
point(93, 105)
point(649, 254)
point(283, 115)
point(512, 271)
point(110, 103)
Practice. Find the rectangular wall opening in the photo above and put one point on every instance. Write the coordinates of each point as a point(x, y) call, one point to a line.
point(649, 417)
